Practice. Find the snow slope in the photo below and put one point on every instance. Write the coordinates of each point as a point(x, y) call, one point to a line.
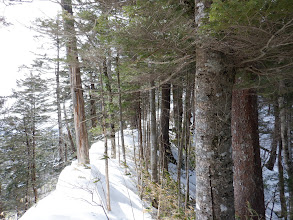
point(80, 192)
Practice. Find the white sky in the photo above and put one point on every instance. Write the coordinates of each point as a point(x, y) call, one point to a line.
point(17, 43)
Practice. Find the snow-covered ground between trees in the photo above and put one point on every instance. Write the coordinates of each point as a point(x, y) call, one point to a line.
point(81, 192)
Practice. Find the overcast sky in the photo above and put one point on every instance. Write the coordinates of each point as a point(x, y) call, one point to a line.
point(17, 42)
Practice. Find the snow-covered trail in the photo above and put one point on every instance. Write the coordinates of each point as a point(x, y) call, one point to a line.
point(80, 193)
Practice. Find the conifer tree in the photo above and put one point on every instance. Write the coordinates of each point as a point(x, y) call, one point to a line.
point(24, 144)
point(76, 84)
point(248, 182)
point(213, 97)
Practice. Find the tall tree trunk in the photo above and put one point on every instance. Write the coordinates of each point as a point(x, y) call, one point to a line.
point(106, 147)
point(154, 139)
point(141, 134)
point(33, 144)
point(214, 185)
point(179, 131)
point(214, 166)
point(93, 101)
point(187, 116)
point(30, 144)
point(119, 156)
point(181, 142)
point(177, 110)
point(289, 121)
point(73, 149)
point(28, 148)
point(191, 128)
point(106, 70)
point(165, 118)
point(27, 196)
point(188, 104)
point(58, 92)
point(107, 174)
point(120, 112)
point(281, 184)
point(141, 137)
point(76, 85)
point(147, 146)
point(274, 145)
point(33, 171)
point(158, 116)
point(144, 117)
point(248, 183)
point(285, 143)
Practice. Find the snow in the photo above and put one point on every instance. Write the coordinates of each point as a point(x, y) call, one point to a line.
point(81, 191)
point(200, 13)
point(270, 178)
point(197, 206)
point(223, 208)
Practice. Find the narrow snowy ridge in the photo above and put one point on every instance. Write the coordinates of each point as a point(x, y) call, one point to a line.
point(81, 192)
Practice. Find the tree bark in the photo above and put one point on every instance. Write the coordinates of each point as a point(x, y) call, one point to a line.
point(248, 183)
point(76, 85)
point(154, 140)
point(285, 143)
point(213, 96)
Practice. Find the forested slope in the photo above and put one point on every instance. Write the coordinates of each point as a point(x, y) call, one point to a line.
point(206, 84)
